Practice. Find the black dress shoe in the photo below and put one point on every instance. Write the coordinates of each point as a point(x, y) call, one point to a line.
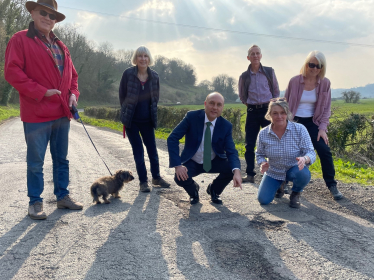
point(194, 200)
point(215, 197)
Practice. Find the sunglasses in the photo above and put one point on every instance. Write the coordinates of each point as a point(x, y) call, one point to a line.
point(44, 13)
point(312, 65)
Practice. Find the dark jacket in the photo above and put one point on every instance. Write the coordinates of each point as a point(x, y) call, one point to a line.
point(192, 127)
point(129, 89)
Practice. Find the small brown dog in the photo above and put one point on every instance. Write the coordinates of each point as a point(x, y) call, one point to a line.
point(110, 185)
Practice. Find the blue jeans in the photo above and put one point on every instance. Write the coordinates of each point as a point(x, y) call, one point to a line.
point(37, 136)
point(255, 120)
point(269, 186)
point(147, 132)
point(323, 151)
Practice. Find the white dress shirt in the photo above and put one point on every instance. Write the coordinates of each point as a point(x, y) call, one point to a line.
point(199, 156)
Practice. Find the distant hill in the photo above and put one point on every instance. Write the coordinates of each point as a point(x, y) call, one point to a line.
point(366, 91)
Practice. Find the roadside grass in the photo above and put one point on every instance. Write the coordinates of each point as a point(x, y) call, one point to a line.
point(347, 172)
point(9, 111)
point(161, 133)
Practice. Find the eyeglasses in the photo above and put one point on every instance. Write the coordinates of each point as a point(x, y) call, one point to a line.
point(312, 65)
point(278, 99)
point(44, 13)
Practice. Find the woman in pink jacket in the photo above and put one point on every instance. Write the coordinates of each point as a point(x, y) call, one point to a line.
point(309, 98)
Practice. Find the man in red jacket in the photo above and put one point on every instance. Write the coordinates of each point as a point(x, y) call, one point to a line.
point(39, 67)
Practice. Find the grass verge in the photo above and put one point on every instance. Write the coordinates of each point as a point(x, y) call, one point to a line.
point(9, 111)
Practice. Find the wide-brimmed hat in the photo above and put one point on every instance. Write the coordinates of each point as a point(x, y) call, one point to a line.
point(46, 4)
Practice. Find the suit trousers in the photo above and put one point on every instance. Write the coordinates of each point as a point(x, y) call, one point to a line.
point(255, 120)
point(219, 165)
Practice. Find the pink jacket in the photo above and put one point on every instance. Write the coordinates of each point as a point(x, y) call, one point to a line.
point(30, 69)
point(323, 105)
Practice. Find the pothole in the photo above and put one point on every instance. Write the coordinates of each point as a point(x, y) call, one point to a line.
point(244, 259)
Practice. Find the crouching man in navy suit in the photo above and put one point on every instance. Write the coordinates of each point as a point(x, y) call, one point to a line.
point(209, 148)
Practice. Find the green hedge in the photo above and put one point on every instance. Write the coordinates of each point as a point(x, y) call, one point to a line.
point(169, 117)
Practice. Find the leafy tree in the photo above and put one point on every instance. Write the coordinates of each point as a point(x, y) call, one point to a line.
point(13, 18)
point(351, 96)
point(225, 85)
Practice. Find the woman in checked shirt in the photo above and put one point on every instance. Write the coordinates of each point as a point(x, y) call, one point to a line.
point(284, 152)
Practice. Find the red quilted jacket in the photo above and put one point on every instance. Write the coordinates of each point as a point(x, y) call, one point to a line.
point(30, 69)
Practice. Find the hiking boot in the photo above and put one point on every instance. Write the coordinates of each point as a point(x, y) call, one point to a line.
point(69, 203)
point(144, 187)
point(280, 191)
point(335, 192)
point(36, 211)
point(287, 188)
point(248, 179)
point(160, 182)
point(295, 200)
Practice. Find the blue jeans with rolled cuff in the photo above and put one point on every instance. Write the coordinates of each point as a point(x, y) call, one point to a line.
point(37, 136)
point(323, 150)
point(147, 132)
point(269, 186)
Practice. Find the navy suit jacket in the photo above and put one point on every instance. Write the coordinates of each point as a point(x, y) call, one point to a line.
point(192, 127)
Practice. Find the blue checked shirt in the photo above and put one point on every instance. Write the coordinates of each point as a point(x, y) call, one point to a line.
point(281, 153)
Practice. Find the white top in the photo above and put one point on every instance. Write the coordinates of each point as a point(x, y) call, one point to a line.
point(307, 104)
point(199, 156)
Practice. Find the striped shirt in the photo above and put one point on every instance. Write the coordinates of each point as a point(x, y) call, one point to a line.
point(281, 153)
point(57, 53)
point(259, 90)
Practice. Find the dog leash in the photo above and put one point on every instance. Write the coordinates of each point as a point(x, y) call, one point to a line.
point(76, 116)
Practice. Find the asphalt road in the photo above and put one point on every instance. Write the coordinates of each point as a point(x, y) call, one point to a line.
point(158, 235)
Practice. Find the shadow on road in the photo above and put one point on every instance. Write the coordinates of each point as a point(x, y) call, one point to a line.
point(16, 245)
point(335, 238)
point(115, 206)
point(133, 248)
point(227, 242)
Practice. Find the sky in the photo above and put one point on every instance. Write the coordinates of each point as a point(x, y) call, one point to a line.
point(214, 36)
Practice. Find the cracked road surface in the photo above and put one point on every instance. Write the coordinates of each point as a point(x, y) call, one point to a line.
point(158, 235)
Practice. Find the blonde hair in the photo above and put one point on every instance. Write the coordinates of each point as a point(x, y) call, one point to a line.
point(282, 103)
point(139, 51)
point(321, 61)
point(251, 47)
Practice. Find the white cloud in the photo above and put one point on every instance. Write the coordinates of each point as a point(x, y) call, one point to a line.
point(88, 16)
point(162, 7)
point(212, 9)
point(232, 20)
